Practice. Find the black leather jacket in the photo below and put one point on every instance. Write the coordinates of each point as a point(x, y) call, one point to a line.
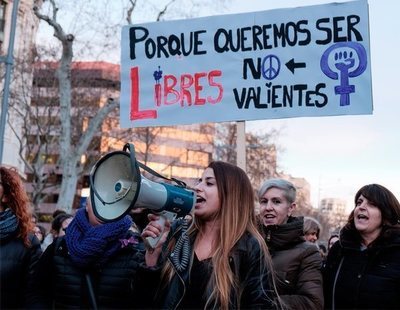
point(244, 260)
point(16, 271)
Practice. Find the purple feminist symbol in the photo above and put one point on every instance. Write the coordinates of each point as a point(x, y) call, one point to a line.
point(157, 75)
point(344, 62)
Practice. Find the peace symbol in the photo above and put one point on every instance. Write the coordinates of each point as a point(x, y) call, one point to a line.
point(271, 66)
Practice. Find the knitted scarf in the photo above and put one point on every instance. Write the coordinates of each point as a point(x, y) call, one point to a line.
point(88, 245)
point(8, 224)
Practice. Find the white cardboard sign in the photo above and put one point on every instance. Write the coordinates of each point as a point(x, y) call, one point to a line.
point(305, 61)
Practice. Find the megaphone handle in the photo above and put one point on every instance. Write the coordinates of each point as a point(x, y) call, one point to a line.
point(164, 215)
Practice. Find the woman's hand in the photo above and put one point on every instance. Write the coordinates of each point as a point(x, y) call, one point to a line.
point(155, 229)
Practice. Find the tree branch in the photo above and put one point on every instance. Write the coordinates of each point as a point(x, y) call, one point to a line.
point(130, 11)
point(94, 124)
point(162, 12)
point(58, 31)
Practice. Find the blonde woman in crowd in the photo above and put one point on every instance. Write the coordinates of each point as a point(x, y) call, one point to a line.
point(297, 263)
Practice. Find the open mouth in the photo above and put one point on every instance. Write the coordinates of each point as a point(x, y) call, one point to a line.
point(362, 217)
point(269, 216)
point(200, 199)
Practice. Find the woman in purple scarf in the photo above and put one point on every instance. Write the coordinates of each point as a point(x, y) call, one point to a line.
point(92, 266)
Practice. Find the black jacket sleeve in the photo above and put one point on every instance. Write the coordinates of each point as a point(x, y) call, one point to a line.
point(255, 277)
point(31, 261)
point(42, 290)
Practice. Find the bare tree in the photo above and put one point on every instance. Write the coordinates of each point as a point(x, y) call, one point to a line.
point(70, 154)
point(226, 142)
point(34, 150)
point(261, 151)
point(39, 127)
point(261, 157)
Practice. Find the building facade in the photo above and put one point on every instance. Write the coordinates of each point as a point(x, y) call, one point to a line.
point(334, 211)
point(25, 33)
point(303, 193)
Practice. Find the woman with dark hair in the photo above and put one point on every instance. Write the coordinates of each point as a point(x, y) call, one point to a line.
point(228, 264)
point(54, 229)
point(363, 268)
point(60, 223)
point(40, 233)
point(58, 228)
point(332, 240)
point(19, 248)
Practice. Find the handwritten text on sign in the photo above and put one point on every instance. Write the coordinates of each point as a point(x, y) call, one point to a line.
point(308, 61)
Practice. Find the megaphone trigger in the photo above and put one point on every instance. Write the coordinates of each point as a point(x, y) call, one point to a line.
point(164, 216)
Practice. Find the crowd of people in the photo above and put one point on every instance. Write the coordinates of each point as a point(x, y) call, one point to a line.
point(223, 255)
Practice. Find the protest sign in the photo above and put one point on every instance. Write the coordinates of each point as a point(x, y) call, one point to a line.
point(305, 61)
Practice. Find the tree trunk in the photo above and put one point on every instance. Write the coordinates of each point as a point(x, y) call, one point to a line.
point(68, 186)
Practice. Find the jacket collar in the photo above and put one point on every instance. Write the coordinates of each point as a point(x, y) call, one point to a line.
point(285, 235)
point(351, 239)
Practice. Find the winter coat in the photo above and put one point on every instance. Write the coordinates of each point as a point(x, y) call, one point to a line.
point(244, 261)
point(16, 268)
point(363, 279)
point(62, 285)
point(297, 264)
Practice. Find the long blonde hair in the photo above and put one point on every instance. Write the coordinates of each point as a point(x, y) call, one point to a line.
point(237, 216)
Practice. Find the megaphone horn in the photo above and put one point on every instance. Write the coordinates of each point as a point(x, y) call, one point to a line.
point(117, 186)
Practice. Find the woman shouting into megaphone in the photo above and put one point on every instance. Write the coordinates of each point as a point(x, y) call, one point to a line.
point(218, 259)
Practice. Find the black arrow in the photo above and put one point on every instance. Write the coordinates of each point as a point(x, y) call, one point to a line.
point(291, 65)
